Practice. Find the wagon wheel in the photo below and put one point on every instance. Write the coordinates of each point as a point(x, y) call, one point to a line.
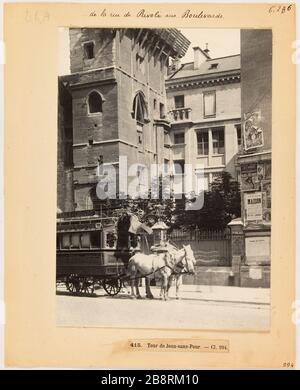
point(112, 286)
point(73, 284)
point(87, 286)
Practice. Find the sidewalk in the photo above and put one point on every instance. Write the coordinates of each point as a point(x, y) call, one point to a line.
point(224, 294)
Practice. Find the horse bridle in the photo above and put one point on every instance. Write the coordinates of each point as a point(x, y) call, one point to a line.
point(183, 266)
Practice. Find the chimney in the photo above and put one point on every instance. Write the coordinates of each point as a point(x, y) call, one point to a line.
point(206, 50)
point(200, 56)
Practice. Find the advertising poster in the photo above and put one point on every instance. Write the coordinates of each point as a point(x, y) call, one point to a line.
point(253, 134)
point(249, 177)
point(253, 206)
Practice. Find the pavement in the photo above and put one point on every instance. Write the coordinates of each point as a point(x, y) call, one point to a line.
point(227, 294)
point(199, 307)
point(260, 296)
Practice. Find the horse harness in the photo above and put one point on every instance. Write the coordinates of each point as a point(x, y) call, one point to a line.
point(181, 267)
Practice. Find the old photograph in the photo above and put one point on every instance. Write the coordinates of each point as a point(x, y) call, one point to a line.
point(164, 178)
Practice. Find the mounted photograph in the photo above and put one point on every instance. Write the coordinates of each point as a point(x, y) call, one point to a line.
point(164, 181)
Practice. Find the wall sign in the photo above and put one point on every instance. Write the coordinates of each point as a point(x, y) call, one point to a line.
point(253, 206)
point(258, 250)
point(255, 273)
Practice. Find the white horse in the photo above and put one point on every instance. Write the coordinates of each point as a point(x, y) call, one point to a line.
point(141, 265)
point(181, 267)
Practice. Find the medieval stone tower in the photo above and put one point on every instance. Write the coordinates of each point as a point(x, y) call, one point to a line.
point(117, 88)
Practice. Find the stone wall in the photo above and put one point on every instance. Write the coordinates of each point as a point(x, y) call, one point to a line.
point(103, 49)
point(65, 191)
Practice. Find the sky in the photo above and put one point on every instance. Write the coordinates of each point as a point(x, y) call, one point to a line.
point(221, 42)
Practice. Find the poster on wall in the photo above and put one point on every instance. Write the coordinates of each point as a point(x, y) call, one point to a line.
point(266, 187)
point(266, 200)
point(249, 177)
point(260, 171)
point(253, 134)
point(253, 206)
point(267, 170)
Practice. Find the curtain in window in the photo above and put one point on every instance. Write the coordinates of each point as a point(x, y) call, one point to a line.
point(66, 241)
point(85, 240)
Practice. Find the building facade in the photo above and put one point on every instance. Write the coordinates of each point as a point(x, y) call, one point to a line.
point(117, 87)
point(204, 99)
point(254, 161)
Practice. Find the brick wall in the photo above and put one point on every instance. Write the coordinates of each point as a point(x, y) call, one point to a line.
point(101, 126)
point(103, 49)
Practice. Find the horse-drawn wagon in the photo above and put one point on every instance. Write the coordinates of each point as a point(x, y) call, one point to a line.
point(87, 255)
point(94, 251)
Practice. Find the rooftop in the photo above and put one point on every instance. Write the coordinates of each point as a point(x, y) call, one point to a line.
point(210, 66)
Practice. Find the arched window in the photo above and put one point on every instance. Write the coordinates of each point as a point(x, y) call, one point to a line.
point(89, 204)
point(139, 110)
point(95, 102)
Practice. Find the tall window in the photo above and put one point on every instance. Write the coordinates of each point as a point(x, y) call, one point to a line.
point(140, 64)
point(167, 141)
point(162, 113)
point(202, 141)
point(179, 138)
point(140, 138)
point(209, 104)
point(88, 48)
point(239, 135)
point(166, 165)
point(179, 101)
point(218, 140)
point(68, 157)
point(139, 111)
point(140, 114)
point(94, 103)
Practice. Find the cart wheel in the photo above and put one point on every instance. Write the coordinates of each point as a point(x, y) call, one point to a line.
point(112, 286)
point(73, 284)
point(87, 286)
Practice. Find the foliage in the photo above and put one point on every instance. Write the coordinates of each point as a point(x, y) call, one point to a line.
point(148, 208)
point(222, 203)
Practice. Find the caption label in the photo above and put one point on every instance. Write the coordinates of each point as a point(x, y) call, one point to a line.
point(177, 345)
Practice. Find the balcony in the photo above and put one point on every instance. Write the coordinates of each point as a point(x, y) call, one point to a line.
point(180, 115)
